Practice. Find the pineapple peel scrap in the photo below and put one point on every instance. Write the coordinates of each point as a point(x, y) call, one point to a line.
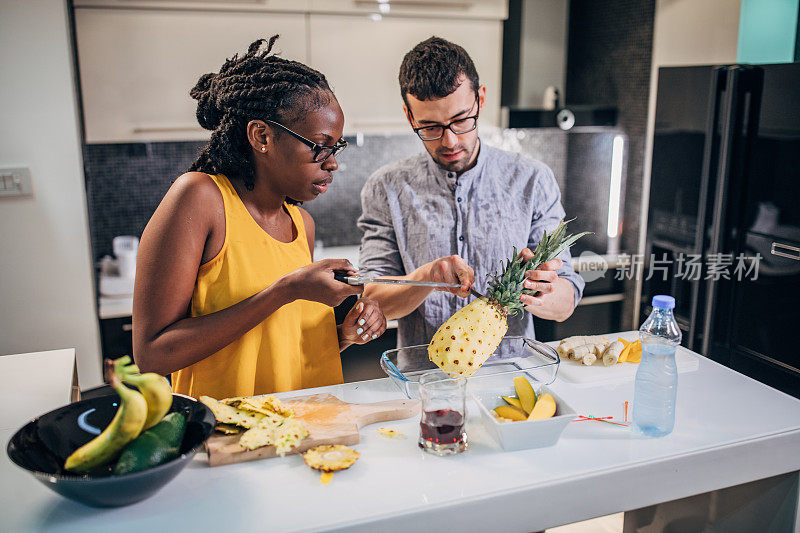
point(390, 432)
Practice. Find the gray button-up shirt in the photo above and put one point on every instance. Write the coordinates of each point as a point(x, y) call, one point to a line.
point(413, 212)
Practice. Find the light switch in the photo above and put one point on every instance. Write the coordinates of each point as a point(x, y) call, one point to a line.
point(15, 182)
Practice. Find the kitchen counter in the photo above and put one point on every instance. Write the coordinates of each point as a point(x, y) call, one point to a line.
point(730, 430)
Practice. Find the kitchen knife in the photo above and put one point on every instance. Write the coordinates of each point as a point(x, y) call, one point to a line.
point(362, 280)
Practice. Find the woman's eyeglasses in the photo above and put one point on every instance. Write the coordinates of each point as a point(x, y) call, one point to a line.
point(459, 127)
point(321, 152)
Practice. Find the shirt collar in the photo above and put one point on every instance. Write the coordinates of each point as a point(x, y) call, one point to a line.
point(448, 179)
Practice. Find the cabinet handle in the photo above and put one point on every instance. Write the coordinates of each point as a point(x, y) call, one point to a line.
point(166, 129)
point(775, 251)
point(127, 327)
point(440, 4)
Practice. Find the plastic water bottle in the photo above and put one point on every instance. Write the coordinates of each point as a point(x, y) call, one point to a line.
point(656, 386)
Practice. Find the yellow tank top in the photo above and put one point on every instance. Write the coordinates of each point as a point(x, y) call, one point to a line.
point(296, 347)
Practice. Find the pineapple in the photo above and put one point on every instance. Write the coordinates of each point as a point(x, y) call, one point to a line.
point(469, 337)
point(330, 457)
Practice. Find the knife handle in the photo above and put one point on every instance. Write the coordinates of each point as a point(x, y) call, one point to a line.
point(344, 277)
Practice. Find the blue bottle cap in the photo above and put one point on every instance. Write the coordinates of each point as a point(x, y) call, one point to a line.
point(663, 301)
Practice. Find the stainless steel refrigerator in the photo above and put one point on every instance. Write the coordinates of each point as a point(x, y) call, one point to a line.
point(725, 192)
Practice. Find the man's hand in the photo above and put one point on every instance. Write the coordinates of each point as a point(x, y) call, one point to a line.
point(554, 298)
point(451, 269)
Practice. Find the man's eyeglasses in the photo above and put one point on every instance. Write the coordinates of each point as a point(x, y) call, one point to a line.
point(321, 152)
point(459, 127)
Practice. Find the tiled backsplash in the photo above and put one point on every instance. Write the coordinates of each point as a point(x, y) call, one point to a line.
point(125, 182)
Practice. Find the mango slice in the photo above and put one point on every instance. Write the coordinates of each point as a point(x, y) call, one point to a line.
point(510, 412)
point(513, 401)
point(525, 393)
point(623, 356)
point(545, 408)
point(635, 355)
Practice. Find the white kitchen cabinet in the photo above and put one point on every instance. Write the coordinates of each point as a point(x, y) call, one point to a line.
point(361, 57)
point(297, 6)
point(137, 65)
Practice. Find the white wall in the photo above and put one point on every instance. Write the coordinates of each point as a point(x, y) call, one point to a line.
point(543, 50)
point(685, 32)
point(46, 283)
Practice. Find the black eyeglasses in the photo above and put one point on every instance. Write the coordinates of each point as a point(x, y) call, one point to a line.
point(459, 127)
point(321, 152)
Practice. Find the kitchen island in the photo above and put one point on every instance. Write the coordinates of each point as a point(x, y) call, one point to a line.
point(730, 431)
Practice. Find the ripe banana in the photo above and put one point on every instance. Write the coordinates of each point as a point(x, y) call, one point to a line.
point(126, 426)
point(155, 389)
point(156, 392)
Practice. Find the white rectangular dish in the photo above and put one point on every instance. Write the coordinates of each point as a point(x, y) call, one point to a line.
point(523, 434)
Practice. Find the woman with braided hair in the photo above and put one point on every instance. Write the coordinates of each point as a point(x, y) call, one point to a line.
point(227, 296)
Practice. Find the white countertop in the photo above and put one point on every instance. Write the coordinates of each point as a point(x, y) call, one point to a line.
point(730, 430)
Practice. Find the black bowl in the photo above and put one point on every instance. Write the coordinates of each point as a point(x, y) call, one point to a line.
point(42, 446)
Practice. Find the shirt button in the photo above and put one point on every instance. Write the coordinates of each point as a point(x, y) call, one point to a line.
point(459, 198)
point(461, 238)
point(451, 174)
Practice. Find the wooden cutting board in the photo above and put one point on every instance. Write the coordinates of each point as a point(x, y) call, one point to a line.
point(328, 419)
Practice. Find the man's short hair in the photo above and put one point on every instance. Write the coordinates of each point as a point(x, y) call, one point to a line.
point(434, 69)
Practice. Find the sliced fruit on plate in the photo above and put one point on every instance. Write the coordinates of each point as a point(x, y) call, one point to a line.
point(635, 354)
point(510, 412)
point(512, 401)
point(525, 393)
point(545, 407)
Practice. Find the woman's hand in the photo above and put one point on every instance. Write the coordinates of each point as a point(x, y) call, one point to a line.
point(315, 282)
point(452, 269)
point(364, 322)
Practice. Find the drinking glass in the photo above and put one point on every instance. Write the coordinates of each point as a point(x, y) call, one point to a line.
point(443, 413)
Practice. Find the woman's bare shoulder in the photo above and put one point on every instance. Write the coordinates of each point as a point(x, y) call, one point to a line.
point(193, 197)
point(195, 187)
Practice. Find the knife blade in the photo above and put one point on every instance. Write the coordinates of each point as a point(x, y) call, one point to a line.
point(362, 280)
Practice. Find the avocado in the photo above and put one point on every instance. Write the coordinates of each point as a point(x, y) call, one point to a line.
point(154, 447)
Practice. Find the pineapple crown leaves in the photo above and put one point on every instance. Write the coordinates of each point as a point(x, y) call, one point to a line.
point(506, 287)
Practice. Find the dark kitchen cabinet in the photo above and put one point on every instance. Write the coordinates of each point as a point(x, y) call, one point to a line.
point(116, 336)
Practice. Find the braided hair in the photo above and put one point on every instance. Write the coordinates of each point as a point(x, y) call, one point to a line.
point(255, 86)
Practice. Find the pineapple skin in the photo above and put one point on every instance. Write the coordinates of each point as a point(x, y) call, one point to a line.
point(468, 338)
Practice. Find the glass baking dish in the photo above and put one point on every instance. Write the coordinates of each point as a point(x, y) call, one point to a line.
point(404, 366)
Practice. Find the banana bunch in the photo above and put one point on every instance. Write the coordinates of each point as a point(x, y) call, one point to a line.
point(138, 411)
point(154, 387)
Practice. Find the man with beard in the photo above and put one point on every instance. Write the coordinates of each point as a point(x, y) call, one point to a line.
point(460, 201)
